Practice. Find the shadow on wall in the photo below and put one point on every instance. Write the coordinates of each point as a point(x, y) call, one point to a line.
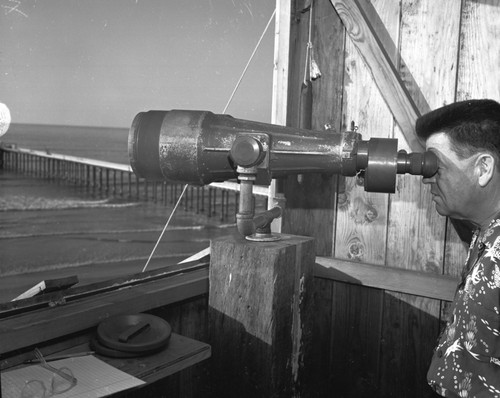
point(371, 343)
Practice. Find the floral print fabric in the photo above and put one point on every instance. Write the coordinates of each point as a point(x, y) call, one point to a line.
point(466, 362)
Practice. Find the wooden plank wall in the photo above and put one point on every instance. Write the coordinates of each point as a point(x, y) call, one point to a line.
point(372, 342)
point(188, 318)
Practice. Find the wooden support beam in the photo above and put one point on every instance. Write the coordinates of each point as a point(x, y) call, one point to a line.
point(368, 34)
point(64, 318)
point(259, 315)
point(281, 62)
point(94, 289)
point(423, 284)
point(280, 90)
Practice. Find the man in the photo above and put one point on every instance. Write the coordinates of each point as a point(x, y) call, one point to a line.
point(465, 136)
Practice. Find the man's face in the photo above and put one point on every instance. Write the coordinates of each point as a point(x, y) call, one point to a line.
point(453, 187)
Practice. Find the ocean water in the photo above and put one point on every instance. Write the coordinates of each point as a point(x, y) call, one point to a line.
point(108, 144)
point(101, 143)
point(50, 229)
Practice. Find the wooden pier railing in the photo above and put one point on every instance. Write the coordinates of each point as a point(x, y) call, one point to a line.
point(106, 179)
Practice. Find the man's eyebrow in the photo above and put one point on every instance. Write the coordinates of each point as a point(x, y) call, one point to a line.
point(436, 152)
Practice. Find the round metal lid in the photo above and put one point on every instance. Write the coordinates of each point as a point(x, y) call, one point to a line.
point(134, 333)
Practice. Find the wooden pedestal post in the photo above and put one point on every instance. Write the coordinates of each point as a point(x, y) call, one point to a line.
point(259, 315)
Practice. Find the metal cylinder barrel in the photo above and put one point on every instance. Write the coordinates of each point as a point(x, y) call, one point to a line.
point(200, 147)
point(180, 146)
point(194, 147)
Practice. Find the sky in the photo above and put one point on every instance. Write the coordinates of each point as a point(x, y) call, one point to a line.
point(100, 62)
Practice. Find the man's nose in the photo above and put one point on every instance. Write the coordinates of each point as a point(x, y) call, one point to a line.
point(429, 180)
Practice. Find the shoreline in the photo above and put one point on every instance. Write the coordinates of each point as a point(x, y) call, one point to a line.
point(91, 242)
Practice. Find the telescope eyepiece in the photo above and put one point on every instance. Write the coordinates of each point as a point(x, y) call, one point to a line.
point(417, 163)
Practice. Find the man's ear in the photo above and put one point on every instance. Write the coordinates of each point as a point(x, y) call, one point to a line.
point(485, 164)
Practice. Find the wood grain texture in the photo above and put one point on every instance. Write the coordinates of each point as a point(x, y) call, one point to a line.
point(281, 73)
point(66, 318)
point(311, 222)
point(478, 65)
point(79, 292)
point(328, 51)
point(311, 202)
point(365, 37)
point(299, 32)
point(188, 381)
point(355, 340)
point(281, 62)
point(480, 55)
point(361, 225)
point(423, 284)
point(190, 320)
point(438, 61)
point(362, 217)
point(410, 330)
point(320, 377)
point(412, 213)
point(258, 314)
point(416, 231)
point(360, 236)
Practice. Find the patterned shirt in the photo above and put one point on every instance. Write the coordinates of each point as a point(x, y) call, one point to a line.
point(466, 362)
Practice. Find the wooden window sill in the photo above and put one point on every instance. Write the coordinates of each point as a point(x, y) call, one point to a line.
point(75, 310)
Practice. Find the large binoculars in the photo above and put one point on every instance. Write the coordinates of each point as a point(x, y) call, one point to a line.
point(200, 147)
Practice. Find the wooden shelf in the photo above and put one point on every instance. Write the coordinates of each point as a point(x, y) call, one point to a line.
point(181, 353)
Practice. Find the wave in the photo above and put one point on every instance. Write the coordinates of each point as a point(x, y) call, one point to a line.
point(30, 203)
point(11, 235)
point(101, 263)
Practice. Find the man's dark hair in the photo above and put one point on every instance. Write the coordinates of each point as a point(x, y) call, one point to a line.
point(471, 125)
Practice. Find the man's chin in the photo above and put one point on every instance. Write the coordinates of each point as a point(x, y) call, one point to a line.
point(441, 211)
